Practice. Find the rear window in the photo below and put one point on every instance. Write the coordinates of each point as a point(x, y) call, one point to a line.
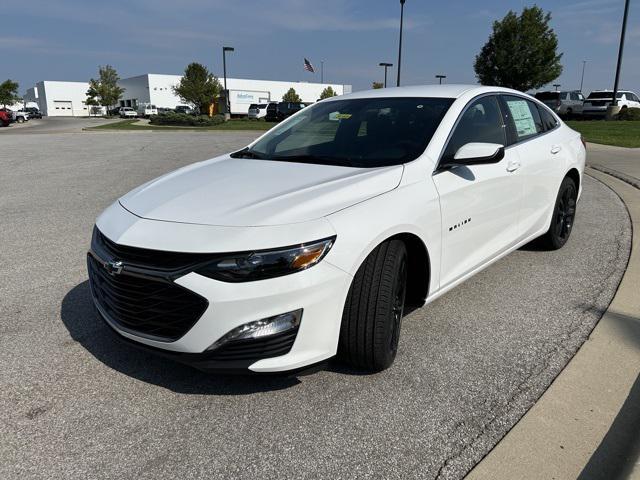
point(548, 96)
point(595, 95)
point(253, 106)
point(262, 105)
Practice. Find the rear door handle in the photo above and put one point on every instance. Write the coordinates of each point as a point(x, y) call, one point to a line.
point(513, 165)
point(555, 149)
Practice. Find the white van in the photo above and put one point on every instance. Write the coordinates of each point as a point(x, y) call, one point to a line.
point(146, 110)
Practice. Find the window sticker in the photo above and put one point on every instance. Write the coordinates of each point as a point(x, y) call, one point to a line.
point(334, 116)
point(525, 125)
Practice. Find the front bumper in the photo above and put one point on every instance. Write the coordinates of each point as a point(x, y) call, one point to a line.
point(319, 291)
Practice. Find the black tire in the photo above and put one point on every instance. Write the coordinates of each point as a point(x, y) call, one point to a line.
point(20, 120)
point(569, 114)
point(563, 216)
point(373, 311)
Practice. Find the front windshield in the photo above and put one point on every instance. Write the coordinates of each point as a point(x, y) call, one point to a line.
point(364, 132)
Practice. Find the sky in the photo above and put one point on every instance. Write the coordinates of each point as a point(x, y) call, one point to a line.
point(69, 39)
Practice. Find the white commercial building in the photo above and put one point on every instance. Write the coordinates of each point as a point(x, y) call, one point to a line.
point(61, 99)
point(157, 89)
point(69, 98)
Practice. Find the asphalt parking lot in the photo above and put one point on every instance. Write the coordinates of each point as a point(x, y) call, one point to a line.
point(75, 403)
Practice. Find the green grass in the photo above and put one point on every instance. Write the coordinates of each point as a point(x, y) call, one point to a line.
point(256, 125)
point(619, 133)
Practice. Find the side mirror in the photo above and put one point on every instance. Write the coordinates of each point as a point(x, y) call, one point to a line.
point(478, 154)
point(474, 154)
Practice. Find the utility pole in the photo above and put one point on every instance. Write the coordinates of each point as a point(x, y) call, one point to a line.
point(224, 70)
point(620, 51)
point(385, 65)
point(584, 64)
point(400, 44)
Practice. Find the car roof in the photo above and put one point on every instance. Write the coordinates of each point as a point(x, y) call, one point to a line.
point(437, 91)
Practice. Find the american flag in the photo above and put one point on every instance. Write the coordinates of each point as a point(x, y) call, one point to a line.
point(308, 67)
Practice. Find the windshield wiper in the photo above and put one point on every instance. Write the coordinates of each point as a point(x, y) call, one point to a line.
point(319, 160)
point(246, 153)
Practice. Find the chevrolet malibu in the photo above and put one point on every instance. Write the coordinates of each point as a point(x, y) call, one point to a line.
point(313, 241)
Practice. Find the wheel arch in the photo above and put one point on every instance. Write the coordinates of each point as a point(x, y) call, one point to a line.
point(574, 175)
point(418, 268)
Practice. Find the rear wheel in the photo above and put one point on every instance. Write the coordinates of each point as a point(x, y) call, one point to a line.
point(372, 317)
point(563, 217)
point(20, 120)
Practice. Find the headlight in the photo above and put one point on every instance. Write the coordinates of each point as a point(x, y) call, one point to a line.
point(262, 264)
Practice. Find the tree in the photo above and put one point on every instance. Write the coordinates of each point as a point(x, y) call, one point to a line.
point(9, 92)
point(327, 93)
point(377, 85)
point(291, 96)
point(105, 90)
point(521, 53)
point(198, 86)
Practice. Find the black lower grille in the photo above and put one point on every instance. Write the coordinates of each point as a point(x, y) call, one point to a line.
point(256, 349)
point(153, 307)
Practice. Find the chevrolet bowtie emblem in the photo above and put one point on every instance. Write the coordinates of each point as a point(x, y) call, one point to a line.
point(114, 267)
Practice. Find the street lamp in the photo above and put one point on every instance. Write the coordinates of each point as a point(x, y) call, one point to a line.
point(584, 64)
point(620, 51)
point(224, 70)
point(557, 85)
point(385, 65)
point(400, 44)
point(440, 77)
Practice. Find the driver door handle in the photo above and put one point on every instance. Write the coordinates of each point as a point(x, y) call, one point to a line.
point(555, 149)
point(513, 165)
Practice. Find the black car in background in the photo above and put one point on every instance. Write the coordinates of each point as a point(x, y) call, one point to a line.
point(277, 112)
point(33, 112)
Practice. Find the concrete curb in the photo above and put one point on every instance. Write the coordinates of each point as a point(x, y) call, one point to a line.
point(587, 424)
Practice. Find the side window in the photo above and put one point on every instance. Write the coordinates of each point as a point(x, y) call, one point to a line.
point(525, 118)
point(481, 122)
point(548, 120)
point(574, 96)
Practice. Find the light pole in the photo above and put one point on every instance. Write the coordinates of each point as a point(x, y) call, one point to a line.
point(440, 77)
point(385, 65)
point(557, 85)
point(584, 64)
point(321, 71)
point(400, 43)
point(224, 71)
point(620, 51)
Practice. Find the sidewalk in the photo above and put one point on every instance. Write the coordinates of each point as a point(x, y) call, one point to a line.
point(622, 163)
point(587, 424)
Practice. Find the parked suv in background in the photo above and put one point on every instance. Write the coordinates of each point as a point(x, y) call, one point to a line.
point(566, 104)
point(598, 101)
point(184, 109)
point(33, 112)
point(257, 110)
point(146, 110)
point(128, 112)
point(277, 112)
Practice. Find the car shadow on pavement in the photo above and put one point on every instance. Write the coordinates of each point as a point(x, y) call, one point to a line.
point(85, 326)
point(620, 447)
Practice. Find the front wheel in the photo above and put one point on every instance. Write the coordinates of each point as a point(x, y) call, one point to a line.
point(563, 216)
point(374, 308)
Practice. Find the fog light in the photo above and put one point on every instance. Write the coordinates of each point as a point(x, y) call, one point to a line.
point(261, 328)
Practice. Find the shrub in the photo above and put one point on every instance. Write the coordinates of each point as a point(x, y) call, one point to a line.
point(186, 120)
point(629, 114)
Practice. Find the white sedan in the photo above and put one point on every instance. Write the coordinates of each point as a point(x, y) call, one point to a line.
point(313, 241)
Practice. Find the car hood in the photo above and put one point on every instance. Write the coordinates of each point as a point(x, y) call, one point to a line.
point(242, 192)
